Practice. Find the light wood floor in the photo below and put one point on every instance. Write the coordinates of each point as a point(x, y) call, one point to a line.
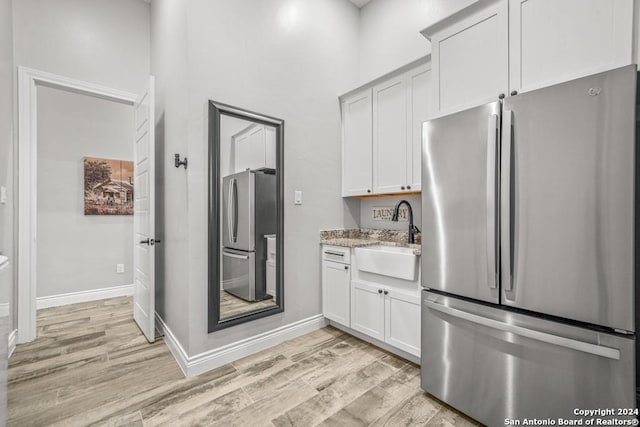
point(231, 305)
point(91, 366)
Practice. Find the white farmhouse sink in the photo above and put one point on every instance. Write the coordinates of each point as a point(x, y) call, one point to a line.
point(389, 261)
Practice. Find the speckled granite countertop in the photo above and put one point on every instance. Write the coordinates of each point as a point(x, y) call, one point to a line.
point(357, 238)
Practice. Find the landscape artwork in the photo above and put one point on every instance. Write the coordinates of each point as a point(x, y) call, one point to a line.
point(108, 187)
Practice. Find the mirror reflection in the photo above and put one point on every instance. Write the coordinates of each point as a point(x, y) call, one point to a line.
point(247, 215)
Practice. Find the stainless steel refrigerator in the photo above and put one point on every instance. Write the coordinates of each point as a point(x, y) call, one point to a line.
point(529, 251)
point(248, 214)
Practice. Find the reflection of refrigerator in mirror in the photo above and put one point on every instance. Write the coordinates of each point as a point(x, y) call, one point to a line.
point(248, 214)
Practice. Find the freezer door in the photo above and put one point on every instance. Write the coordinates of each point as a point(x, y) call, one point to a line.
point(493, 364)
point(238, 273)
point(567, 199)
point(459, 185)
point(238, 213)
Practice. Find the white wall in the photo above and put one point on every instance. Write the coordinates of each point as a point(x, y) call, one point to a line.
point(169, 65)
point(6, 180)
point(76, 252)
point(390, 32)
point(289, 59)
point(99, 41)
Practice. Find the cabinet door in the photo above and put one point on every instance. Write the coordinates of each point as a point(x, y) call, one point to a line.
point(389, 136)
point(419, 94)
point(336, 291)
point(250, 149)
point(367, 309)
point(402, 321)
point(470, 59)
point(356, 145)
point(553, 41)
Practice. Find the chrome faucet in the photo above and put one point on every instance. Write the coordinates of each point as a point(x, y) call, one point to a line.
point(413, 230)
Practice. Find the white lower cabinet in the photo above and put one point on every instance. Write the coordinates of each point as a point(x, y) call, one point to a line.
point(367, 309)
point(402, 321)
point(336, 291)
point(387, 314)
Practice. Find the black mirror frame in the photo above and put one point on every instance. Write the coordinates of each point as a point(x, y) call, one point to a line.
point(216, 110)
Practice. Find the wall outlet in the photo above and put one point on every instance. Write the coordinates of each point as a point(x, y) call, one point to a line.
point(119, 268)
point(297, 197)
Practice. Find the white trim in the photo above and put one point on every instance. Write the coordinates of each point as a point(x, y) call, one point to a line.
point(12, 341)
point(28, 82)
point(203, 362)
point(83, 296)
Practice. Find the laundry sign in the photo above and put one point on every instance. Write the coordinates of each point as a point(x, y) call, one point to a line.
point(385, 213)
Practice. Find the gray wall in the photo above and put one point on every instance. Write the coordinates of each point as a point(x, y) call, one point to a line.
point(98, 41)
point(288, 59)
point(366, 205)
point(6, 180)
point(77, 252)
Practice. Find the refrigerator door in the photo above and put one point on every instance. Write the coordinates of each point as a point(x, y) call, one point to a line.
point(238, 273)
point(459, 180)
point(238, 213)
point(493, 364)
point(567, 199)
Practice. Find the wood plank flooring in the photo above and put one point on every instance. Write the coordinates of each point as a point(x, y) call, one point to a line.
point(231, 305)
point(91, 366)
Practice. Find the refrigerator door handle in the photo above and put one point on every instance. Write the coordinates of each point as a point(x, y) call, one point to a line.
point(506, 248)
point(232, 255)
point(492, 144)
point(585, 347)
point(234, 190)
point(229, 207)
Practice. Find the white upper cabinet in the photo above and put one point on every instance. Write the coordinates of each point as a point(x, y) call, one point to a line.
point(553, 41)
point(418, 95)
point(498, 47)
point(390, 136)
point(383, 155)
point(357, 155)
point(254, 148)
point(470, 59)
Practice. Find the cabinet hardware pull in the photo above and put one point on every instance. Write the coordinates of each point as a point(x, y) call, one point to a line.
point(514, 92)
point(402, 188)
point(501, 96)
point(379, 291)
point(346, 267)
point(334, 253)
point(368, 191)
point(408, 187)
point(386, 292)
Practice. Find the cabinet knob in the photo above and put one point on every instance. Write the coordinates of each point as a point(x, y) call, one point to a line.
point(501, 96)
point(386, 292)
point(368, 191)
point(346, 267)
point(402, 188)
point(408, 187)
point(514, 92)
point(379, 291)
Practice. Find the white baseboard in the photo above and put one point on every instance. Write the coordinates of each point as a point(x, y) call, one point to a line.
point(206, 361)
point(12, 341)
point(84, 296)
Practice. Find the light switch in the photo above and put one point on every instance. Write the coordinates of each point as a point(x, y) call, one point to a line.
point(3, 195)
point(297, 198)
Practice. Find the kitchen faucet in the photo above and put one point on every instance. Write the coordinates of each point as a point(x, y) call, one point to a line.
point(413, 230)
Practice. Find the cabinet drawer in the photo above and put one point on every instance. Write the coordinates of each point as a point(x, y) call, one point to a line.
point(336, 254)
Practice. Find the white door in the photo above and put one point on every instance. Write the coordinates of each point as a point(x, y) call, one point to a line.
point(402, 321)
point(389, 136)
point(336, 279)
point(367, 309)
point(419, 95)
point(144, 213)
point(356, 144)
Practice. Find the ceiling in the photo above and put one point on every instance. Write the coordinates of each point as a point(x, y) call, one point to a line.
point(360, 3)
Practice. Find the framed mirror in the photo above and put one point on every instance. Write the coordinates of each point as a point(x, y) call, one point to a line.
point(245, 220)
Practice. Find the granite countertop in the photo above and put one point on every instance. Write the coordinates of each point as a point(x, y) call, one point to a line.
point(358, 238)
